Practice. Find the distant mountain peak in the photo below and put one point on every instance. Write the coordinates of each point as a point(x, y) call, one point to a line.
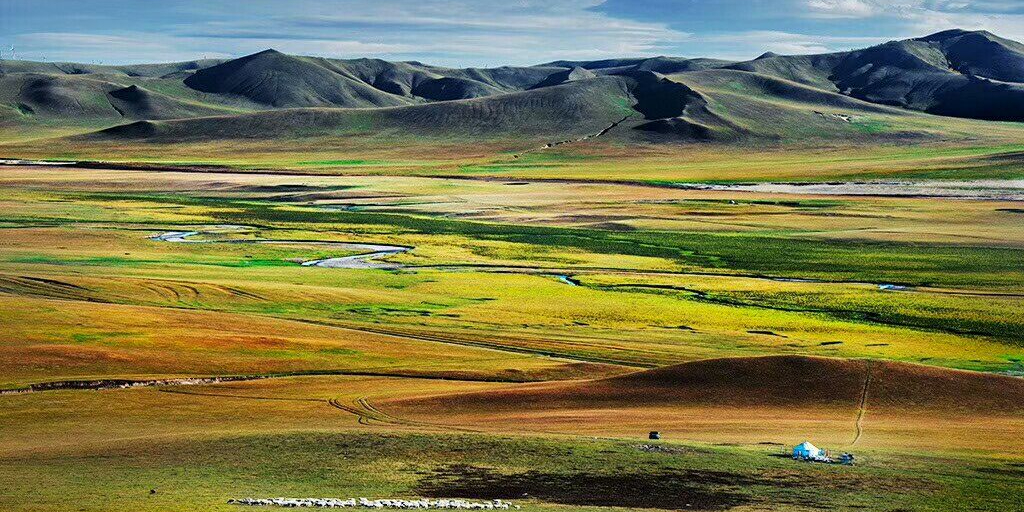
point(946, 35)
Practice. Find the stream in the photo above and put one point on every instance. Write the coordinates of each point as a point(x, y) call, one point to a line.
point(366, 259)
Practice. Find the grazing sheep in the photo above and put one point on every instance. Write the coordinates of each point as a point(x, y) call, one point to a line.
point(441, 504)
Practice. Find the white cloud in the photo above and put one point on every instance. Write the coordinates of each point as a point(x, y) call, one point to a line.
point(976, 6)
point(452, 32)
point(1006, 25)
point(842, 8)
point(512, 32)
point(921, 17)
point(785, 43)
point(488, 32)
point(105, 48)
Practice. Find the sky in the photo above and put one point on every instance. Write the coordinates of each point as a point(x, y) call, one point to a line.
point(477, 32)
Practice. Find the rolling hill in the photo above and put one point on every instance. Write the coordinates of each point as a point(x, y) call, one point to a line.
point(576, 109)
point(638, 106)
point(168, 70)
point(94, 98)
point(838, 401)
point(772, 381)
point(283, 81)
point(867, 95)
point(956, 73)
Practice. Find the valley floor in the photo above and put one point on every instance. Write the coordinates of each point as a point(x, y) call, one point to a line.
point(426, 361)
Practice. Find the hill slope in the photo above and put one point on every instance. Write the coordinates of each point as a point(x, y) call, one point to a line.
point(866, 95)
point(773, 381)
point(93, 98)
point(755, 399)
point(277, 80)
point(639, 106)
point(578, 108)
point(956, 73)
point(8, 67)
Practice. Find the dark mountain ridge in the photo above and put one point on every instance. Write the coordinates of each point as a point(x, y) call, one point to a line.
point(954, 73)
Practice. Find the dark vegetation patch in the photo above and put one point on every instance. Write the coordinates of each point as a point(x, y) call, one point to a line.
point(288, 188)
point(343, 163)
point(662, 489)
point(1013, 470)
point(666, 449)
point(612, 226)
point(788, 203)
point(811, 203)
point(830, 343)
point(767, 333)
point(660, 98)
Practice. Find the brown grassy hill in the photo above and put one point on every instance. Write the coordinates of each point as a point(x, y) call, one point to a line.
point(756, 399)
point(774, 381)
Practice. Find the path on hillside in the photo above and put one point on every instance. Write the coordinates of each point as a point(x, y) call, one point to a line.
point(584, 138)
point(863, 407)
point(361, 408)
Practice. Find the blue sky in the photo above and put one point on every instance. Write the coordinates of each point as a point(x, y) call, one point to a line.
point(477, 32)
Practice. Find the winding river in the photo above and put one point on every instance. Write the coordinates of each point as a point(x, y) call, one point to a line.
point(366, 259)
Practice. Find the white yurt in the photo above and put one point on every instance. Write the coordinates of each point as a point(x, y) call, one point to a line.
point(806, 450)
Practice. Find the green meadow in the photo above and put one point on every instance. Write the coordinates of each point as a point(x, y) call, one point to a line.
point(509, 280)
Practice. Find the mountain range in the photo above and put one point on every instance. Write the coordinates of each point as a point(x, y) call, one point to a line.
point(882, 91)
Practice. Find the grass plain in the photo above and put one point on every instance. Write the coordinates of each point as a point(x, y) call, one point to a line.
point(556, 268)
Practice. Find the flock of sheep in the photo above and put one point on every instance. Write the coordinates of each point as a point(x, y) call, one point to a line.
point(441, 504)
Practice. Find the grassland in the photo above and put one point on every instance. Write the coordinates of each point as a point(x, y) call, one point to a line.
point(579, 262)
point(551, 269)
point(199, 448)
point(489, 276)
